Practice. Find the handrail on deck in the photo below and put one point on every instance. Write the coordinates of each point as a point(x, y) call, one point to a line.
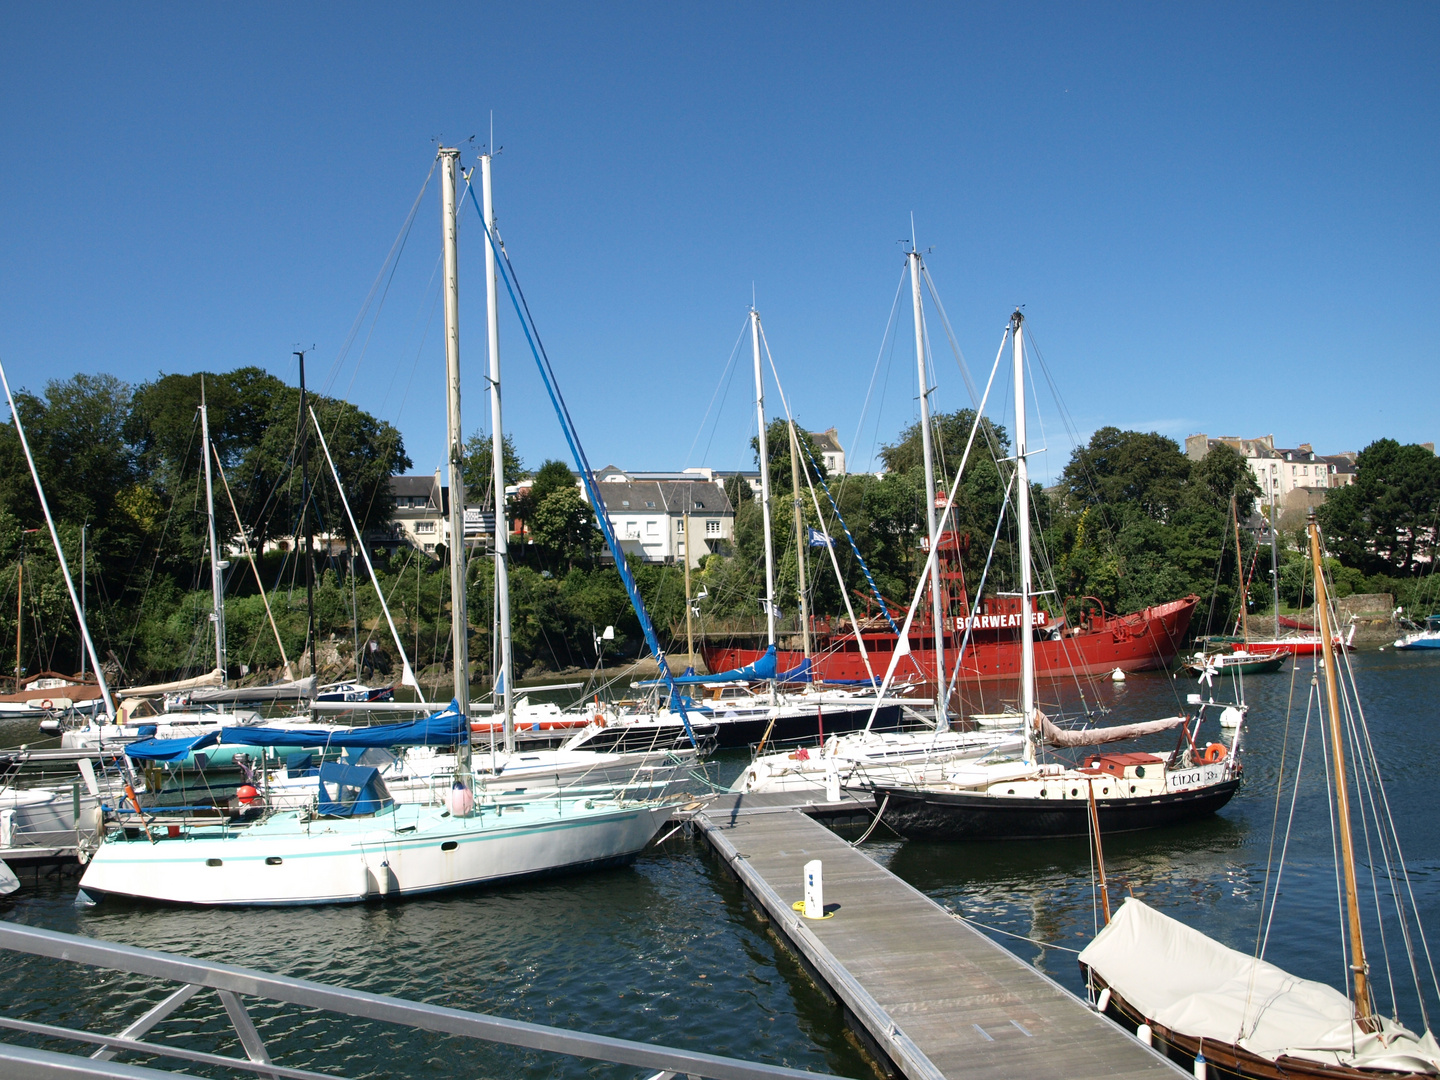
point(230, 982)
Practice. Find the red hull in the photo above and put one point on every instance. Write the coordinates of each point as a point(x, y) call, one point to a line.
point(1145, 641)
point(1296, 646)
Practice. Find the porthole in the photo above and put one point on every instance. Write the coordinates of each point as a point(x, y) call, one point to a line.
point(1074, 791)
point(1042, 793)
point(1132, 789)
point(449, 845)
point(273, 860)
point(214, 862)
point(1010, 792)
point(1140, 771)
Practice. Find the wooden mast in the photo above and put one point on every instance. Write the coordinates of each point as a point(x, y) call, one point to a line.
point(1358, 967)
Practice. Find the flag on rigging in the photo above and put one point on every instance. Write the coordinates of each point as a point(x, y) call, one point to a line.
point(819, 539)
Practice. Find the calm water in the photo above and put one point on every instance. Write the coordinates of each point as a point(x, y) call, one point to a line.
point(667, 951)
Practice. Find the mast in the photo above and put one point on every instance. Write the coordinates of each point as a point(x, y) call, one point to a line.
point(799, 537)
point(19, 610)
point(1274, 559)
point(454, 435)
point(59, 551)
point(764, 489)
point(305, 524)
point(497, 464)
point(83, 528)
point(937, 605)
point(217, 577)
point(1358, 967)
point(1240, 570)
point(1022, 511)
point(689, 609)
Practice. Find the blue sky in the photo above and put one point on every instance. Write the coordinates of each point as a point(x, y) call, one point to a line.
point(1219, 218)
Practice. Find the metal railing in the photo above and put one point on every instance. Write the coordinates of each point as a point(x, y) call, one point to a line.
point(231, 983)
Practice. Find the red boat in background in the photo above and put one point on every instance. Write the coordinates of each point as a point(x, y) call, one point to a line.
point(1295, 624)
point(1145, 640)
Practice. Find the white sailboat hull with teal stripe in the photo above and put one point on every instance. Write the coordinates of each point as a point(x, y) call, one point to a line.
point(296, 858)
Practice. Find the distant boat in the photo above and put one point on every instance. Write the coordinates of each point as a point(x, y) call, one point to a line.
point(1239, 662)
point(1294, 624)
point(1426, 638)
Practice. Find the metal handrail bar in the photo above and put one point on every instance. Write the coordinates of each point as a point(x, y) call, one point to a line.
point(393, 1010)
point(114, 1043)
point(27, 1063)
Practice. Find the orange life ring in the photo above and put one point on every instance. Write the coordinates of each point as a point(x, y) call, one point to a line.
point(1214, 754)
point(47, 704)
point(599, 720)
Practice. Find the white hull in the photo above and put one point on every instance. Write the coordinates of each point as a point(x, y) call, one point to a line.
point(409, 850)
point(869, 757)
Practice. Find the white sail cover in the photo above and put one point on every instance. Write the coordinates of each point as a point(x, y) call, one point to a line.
point(1058, 736)
point(214, 678)
point(1176, 976)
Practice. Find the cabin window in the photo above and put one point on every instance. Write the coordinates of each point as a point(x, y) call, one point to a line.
point(273, 860)
point(214, 862)
point(449, 845)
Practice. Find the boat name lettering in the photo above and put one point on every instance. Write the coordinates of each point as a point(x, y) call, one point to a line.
point(1193, 778)
point(996, 622)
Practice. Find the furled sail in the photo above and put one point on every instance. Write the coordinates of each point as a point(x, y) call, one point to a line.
point(1056, 736)
point(760, 670)
point(213, 678)
point(445, 728)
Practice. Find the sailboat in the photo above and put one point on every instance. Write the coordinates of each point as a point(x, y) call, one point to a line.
point(357, 841)
point(1224, 1010)
point(863, 758)
point(1240, 660)
point(1024, 798)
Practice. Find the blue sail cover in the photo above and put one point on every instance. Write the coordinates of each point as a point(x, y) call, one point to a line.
point(759, 671)
point(445, 728)
point(347, 790)
point(799, 673)
point(169, 749)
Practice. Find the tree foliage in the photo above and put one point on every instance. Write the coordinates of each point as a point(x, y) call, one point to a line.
point(1385, 522)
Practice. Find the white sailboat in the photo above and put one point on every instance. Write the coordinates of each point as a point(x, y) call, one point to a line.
point(861, 759)
point(1025, 798)
point(357, 841)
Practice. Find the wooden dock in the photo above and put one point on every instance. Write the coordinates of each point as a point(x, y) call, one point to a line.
point(935, 997)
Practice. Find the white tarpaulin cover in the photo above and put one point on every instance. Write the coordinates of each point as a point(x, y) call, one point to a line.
point(1178, 977)
point(1057, 736)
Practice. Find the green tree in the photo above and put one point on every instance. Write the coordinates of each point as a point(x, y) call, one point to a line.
point(563, 525)
point(479, 468)
point(1386, 521)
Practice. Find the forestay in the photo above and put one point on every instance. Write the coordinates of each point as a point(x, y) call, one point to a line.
point(1176, 976)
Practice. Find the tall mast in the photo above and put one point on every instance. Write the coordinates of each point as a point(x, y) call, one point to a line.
point(764, 488)
point(217, 577)
point(1240, 569)
point(59, 551)
point(1358, 966)
point(19, 611)
point(83, 528)
point(497, 463)
point(689, 603)
point(305, 523)
point(799, 537)
point(1274, 559)
point(454, 437)
point(937, 605)
point(1022, 512)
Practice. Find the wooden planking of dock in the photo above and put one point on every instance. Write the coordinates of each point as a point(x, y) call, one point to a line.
point(937, 997)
